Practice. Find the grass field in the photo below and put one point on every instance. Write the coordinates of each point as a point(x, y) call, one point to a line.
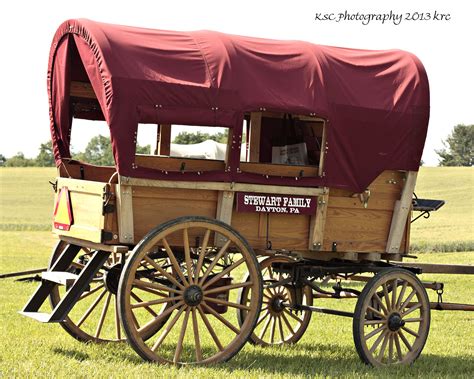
point(31, 349)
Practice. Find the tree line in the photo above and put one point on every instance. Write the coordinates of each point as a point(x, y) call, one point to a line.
point(458, 149)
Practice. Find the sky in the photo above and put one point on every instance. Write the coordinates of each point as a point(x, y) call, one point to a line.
point(446, 49)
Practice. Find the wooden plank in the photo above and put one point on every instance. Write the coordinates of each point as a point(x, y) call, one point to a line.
point(153, 206)
point(79, 185)
point(95, 246)
point(125, 213)
point(318, 223)
point(164, 146)
point(177, 164)
point(220, 186)
point(225, 204)
point(278, 169)
point(435, 268)
point(323, 151)
point(254, 137)
point(82, 89)
point(400, 215)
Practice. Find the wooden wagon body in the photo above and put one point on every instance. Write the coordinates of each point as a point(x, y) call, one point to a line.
point(323, 150)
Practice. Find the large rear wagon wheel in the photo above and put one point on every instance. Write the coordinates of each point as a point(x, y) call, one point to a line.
point(200, 288)
point(392, 319)
point(276, 325)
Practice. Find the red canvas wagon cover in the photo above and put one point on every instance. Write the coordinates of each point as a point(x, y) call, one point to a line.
point(376, 103)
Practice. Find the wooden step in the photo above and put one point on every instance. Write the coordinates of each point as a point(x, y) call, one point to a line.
point(38, 316)
point(60, 277)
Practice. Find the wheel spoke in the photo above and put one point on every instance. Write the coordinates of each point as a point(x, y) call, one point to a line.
point(380, 302)
point(374, 322)
point(167, 330)
point(228, 303)
point(374, 332)
point(272, 330)
point(179, 346)
point(221, 319)
point(405, 341)
point(260, 320)
point(197, 340)
point(187, 255)
point(280, 325)
point(418, 319)
point(398, 347)
point(167, 275)
point(394, 294)
point(94, 290)
point(372, 309)
point(229, 287)
point(265, 327)
point(402, 293)
point(174, 262)
point(222, 273)
point(202, 255)
point(146, 304)
point(91, 308)
point(384, 345)
point(150, 325)
point(390, 346)
point(407, 300)
point(210, 328)
point(287, 323)
point(386, 295)
point(293, 316)
point(378, 340)
point(102, 316)
point(141, 284)
point(413, 308)
point(409, 331)
point(140, 301)
point(214, 262)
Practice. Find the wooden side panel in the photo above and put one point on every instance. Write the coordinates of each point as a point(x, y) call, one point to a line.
point(87, 209)
point(288, 232)
point(153, 206)
point(352, 228)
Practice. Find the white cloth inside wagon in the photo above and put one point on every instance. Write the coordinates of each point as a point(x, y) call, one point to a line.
point(208, 149)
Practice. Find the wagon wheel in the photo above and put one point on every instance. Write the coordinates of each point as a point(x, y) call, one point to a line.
point(392, 318)
point(276, 324)
point(201, 329)
point(95, 316)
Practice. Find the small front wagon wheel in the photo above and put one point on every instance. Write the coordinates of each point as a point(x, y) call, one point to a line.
point(392, 319)
point(199, 285)
point(276, 325)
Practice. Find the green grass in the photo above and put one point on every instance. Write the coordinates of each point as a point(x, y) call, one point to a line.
point(452, 227)
point(26, 199)
point(31, 349)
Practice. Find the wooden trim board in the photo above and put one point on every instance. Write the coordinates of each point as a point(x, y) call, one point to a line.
point(95, 246)
point(400, 214)
point(219, 186)
point(125, 213)
point(318, 222)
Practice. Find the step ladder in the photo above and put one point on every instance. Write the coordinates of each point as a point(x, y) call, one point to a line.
point(57, 275)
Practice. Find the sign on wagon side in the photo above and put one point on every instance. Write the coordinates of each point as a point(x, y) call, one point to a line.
point(270, 203)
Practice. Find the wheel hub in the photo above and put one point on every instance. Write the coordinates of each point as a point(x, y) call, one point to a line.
point(193, 295)
point(112, 278)
point(395, 322)
point(276, 304)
